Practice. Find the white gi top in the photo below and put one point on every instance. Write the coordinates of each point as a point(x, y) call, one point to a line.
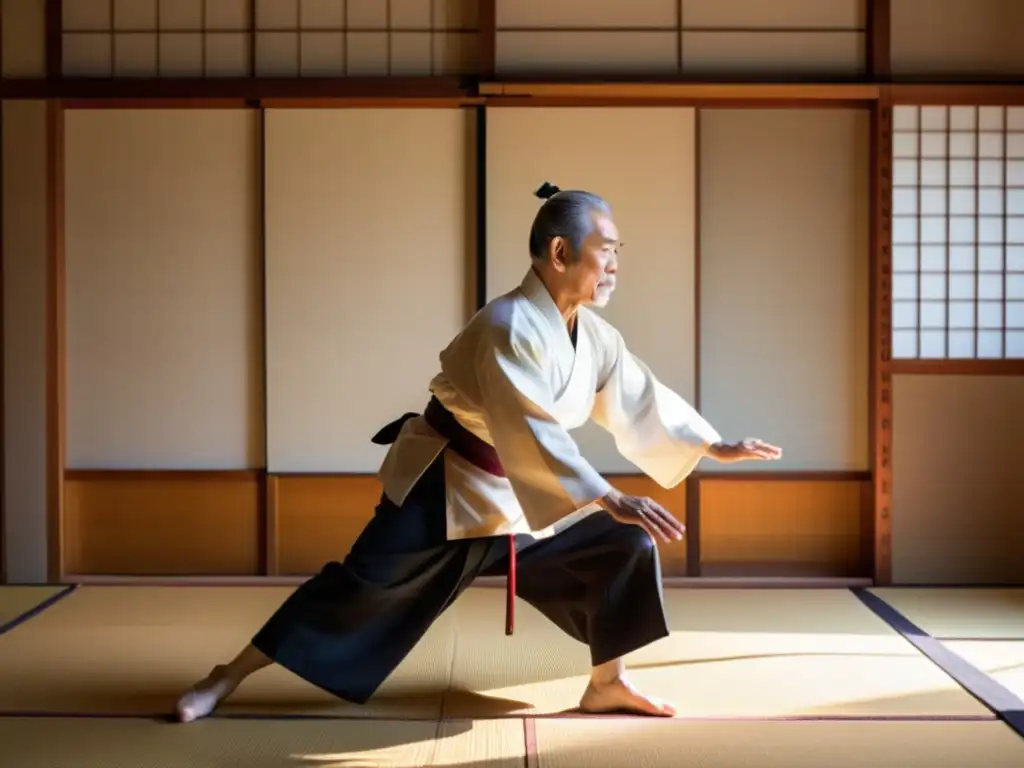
point(513, 378)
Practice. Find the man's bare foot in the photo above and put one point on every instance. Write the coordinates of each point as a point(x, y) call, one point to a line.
point(205, 695)
point(619, 696)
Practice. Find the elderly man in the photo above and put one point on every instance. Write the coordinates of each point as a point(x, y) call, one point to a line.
point(488, 481)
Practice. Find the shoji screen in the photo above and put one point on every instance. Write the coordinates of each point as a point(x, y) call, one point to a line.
point(958, 232)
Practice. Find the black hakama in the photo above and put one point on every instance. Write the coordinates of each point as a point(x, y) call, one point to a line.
point(347, 628)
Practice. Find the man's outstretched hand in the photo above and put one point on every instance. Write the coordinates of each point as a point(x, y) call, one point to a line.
point(658, 521)
point(645, 512)
point(750, 449)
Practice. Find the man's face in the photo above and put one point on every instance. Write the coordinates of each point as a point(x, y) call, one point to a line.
point(590, 279)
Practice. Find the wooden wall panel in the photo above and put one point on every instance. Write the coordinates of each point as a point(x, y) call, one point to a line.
point(694, 37)
point(163, 523)
point(673, 554)
point(780, 38)
point(783, 527)
point(644, 163)
point(23, 38)
point(958, 490)
point(784, 283)
point(780, 14)
point(636, 53)
point(319, 517)
point(369, 245)
point(957, 38)
point(24, 251)
point(163, 319)
point(23, 543)
point(763, 53)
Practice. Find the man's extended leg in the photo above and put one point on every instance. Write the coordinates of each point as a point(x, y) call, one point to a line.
point(346, 629)
point(599, 581)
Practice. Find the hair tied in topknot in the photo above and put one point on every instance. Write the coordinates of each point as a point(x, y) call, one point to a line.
point(547, 191)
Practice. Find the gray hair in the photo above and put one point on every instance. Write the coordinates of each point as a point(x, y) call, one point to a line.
point(567, 214)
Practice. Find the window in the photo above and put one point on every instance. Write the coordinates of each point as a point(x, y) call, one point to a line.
point(958, 232)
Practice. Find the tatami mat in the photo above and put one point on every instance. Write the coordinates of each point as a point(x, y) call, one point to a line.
point(132, 650)
point(140, 743)
point(16, 600)
point(672, 744)
point(961, 613)
point(223, 743)
point(750, 653)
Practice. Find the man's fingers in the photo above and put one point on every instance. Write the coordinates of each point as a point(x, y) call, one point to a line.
point(652, 517)
point(672, 527)
point(651, 522)
point(760, 449)
point(654, 531)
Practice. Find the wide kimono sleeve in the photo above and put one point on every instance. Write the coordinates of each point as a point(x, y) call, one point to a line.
point(549, 476)
point(654, 428)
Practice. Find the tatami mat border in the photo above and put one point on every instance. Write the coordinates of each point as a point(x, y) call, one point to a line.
point(1002, 701)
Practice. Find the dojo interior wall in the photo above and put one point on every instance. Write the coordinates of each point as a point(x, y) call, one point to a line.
point(167, 290)
point(237, 358)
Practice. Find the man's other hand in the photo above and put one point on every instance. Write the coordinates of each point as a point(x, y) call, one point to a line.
point(645, 512)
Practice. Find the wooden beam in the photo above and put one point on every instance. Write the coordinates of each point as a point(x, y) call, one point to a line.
point(143, 89)
point(692, 522)
point(163, 475)
point(453, 91)
point(271, 527)
point(487, 46)
point(480, 209)
point(55, 342)
point(54, 39)
point(371, 103)
point(805, 94)
point(965, 367)
point(3, 396)
point(879, 40)
point(784, 476)
point(953, 94)
point(880, 300)
point(268, 505)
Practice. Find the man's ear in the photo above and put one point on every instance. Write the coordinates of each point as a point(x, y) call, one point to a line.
point(559, 253)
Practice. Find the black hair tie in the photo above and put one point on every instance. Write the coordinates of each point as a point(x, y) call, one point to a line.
point(547, 191)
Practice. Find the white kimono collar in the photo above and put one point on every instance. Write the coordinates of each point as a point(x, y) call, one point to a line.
point(537, 293)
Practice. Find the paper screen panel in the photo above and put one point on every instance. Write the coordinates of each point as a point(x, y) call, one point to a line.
point(163, 297)
point(783, 271)
point(643, 162)
point(368, 246)
point(268, 38)
point(956, 38)
point(958, 232)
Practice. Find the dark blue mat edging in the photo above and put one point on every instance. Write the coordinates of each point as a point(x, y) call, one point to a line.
point(1006, 705)
point(36, 610)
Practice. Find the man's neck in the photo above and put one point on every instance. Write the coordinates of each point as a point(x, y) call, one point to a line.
point(567, 307)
